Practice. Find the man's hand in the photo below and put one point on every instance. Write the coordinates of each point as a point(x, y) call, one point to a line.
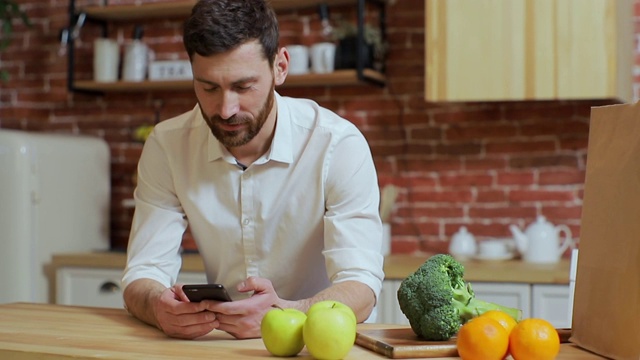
point(169, 309)
point(242, 318)
point(179, 318)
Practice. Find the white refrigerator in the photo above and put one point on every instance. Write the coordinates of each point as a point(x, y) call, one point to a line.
point(54, 198)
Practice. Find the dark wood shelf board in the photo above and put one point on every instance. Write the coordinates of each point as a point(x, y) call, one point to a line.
point(336, 78)
point(183, 9)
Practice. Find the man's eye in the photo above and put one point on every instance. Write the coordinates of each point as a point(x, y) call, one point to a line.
point(243, 87)
point(211, 89)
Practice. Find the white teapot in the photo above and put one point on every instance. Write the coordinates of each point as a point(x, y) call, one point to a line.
point(540, 243)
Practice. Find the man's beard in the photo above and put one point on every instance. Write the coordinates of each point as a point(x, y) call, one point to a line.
point(240, 137)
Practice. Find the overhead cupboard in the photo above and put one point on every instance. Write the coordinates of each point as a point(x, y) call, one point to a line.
point(178, 10)
point(496, 50)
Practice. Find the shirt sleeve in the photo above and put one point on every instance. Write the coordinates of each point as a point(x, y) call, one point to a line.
point(158, 222)
point(353, 229)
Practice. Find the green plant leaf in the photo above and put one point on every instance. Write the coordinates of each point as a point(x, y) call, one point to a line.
point(9, 10)
point(7, 30)
point(25, 19)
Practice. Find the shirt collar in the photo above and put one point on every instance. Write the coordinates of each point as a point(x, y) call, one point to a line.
point(281, 146)
point(214, 148)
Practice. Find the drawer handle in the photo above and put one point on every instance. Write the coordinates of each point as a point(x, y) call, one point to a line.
point(109, 287)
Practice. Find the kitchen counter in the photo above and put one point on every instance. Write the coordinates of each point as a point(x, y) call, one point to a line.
point(515, 271)
point(395, 267)
point(57, 332)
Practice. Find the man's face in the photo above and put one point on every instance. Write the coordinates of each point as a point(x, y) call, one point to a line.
point(235, 91)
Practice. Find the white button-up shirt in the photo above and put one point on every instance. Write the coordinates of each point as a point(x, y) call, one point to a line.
point(304, 215)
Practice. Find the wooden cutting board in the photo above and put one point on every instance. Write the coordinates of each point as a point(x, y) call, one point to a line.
point(402, 343)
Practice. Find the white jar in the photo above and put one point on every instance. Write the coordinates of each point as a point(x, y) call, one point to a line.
point(106, 60)
point(136, 58)
point(463, 244)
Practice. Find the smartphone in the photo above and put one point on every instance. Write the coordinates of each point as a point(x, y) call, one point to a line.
point(199, 292)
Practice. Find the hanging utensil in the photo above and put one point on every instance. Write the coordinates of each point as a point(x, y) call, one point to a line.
point(387, 201)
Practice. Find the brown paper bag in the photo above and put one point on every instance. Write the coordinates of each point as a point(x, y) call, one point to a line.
point(606, 309)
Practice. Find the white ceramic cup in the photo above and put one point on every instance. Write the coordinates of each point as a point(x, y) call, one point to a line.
point(136, 59)
point(323, 57)
point(494, 249)
point(106, 60)
point(298, 59)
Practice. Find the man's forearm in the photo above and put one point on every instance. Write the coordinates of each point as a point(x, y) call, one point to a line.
point(357, 295)
point(139, 297)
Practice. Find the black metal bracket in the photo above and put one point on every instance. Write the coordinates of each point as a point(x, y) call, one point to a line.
point(360, 60)
point(76, 21)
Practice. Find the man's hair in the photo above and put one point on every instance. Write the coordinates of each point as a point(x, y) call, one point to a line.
point(218, 26)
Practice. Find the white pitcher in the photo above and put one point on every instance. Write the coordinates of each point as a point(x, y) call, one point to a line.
point(540, 243)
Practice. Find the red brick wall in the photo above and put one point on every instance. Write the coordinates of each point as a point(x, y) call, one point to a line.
point(484, 165)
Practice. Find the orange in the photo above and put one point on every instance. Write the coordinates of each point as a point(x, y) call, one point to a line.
point(534, 339)
point(503, 318)
point(482, 338)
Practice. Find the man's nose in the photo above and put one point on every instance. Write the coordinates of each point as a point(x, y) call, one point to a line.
point(229, 105)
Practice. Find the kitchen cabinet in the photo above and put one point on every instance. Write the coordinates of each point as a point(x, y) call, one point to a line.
point(550, 302)
point(495, 50)
point(100, 286)
point(180, 9)
point(539, 290)
point(87, 286)
point(512, 295)
point(388, 309)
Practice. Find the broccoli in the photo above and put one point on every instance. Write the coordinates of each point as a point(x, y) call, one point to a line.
point(437, 300)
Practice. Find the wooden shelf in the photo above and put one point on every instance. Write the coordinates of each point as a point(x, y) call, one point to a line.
point(336, 78)
point(183, 9)
point(129, 86)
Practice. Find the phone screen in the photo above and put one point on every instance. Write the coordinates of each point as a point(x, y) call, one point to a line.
point(199, 292)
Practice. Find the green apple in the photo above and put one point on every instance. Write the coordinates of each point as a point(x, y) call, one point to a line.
point(281, 331)
point(331, 304)
point(330, 330)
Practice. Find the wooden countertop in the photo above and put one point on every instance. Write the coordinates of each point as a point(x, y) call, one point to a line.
point(395, 267)
point(58, 332)
point(517, 271)
point(116, 260)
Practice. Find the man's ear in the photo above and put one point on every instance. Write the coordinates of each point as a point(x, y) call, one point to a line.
point(281, 66)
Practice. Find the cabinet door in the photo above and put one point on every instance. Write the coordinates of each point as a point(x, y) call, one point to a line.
point(492, 50)
point(506, 294)
point(551, 302)
point(388, 309)
point(192, 278)
point(100, 287)
point(89, 287)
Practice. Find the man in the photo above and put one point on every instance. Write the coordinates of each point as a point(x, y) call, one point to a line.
point(280, 194)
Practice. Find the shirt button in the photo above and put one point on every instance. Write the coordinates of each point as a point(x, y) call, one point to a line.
point(246, 221)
